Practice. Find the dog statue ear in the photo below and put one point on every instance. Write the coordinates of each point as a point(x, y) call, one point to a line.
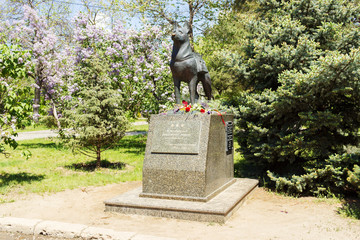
point(176, 25)
point(187, 27)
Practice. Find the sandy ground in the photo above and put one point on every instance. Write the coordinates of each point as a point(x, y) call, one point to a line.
point(264, 216)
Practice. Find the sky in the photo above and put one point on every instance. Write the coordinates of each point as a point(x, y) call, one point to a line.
point(76, 6)
point(105, 21)
point(133, 22)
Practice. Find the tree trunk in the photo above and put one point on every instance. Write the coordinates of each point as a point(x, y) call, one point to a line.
point(98, 157)
point(191, 22)
point(36, 105)
point(55, 115)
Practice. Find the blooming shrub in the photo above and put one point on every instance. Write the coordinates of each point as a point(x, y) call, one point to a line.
point(44, 62)
point(138, 60)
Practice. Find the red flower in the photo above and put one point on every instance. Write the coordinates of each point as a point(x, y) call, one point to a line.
point(187, 109)
point(202, 110)
point(185, 103)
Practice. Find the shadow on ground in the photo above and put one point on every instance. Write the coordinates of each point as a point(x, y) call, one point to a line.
point(18, 178)
point(350, 208)
point(246, 169)
point(52, 145)
point(91, 166)
point(133, 144)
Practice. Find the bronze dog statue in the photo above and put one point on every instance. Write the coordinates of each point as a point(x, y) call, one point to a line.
point(188, 66)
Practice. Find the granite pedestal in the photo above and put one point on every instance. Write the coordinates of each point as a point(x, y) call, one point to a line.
point(188, 170)
point(218, 209)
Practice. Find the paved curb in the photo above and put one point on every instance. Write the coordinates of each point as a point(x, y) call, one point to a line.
point(38, 227)
point(54, 133)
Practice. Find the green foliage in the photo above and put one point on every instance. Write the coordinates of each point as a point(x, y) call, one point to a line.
point(95, 118)
point(311, 116)
point(289, 35)
point(15, 106)
point(302, 107)
point(354, 177)
point(221, 52)
point(328, 177)
point(351, 209)
point(12, 62)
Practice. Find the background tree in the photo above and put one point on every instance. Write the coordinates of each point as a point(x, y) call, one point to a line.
point(220, 47)
point(104, 12)
point(301, 64)
point(96, 118)
point(292, 35)
point(166, 13)
point(57, 14)
point(44, 61)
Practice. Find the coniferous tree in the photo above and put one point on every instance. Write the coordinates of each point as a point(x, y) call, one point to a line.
point(301, 65)
point(95, 118)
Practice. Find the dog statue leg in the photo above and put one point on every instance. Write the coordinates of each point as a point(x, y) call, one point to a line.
point(192, 90)
point(177, 91)
point(206, 82)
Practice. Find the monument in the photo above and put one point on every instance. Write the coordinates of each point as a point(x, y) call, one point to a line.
point(187, 66)
point(188, 170)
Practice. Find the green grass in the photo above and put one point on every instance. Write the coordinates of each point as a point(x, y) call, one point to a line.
point(53, 167)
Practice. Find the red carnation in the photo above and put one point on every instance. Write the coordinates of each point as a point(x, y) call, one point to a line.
point(202, 110)
point(187, 109)
point(185, 103)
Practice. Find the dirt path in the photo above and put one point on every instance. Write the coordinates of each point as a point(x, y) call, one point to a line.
point(264, 216)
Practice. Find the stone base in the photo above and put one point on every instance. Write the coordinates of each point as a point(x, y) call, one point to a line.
point(186, 198)
point(218, 209)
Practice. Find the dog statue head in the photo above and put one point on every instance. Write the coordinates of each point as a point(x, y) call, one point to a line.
point(181, 33)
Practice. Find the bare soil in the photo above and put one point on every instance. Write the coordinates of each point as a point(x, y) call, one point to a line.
point(265, 215)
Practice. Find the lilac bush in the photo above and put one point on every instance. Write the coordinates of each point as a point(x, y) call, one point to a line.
point(138, 60)
point(45, 62)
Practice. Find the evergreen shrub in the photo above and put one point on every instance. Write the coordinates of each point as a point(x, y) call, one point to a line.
point(303, 104)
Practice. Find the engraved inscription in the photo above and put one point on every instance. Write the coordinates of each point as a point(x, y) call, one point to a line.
point(229, 137)
point(176, 137)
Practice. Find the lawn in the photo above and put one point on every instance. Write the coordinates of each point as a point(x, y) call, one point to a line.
point(53, 167)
